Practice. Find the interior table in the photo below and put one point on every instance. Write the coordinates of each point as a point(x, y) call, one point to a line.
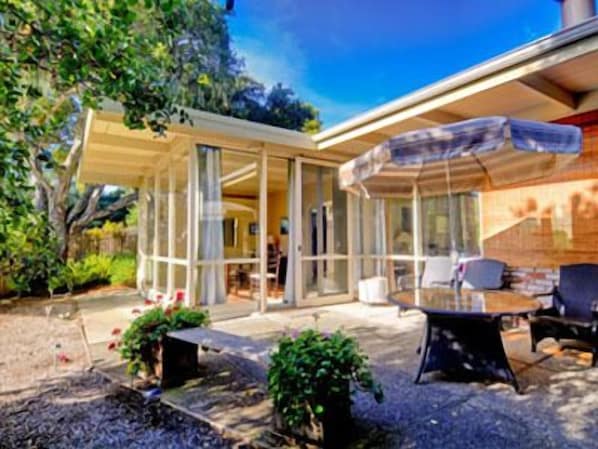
point(462, 333)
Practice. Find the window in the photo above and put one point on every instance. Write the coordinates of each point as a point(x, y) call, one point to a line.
point(436, 224)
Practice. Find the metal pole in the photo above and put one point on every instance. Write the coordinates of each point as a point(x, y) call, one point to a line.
point(452, 231)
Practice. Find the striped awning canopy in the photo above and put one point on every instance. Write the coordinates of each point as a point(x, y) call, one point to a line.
point(475, 154)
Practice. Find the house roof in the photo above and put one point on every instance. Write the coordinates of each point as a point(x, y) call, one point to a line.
point(551, 78)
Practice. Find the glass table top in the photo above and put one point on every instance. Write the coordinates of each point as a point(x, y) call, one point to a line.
point(474, 302)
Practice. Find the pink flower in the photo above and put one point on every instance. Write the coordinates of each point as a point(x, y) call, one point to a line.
point(147, 302)
point(295, 334)
point(326, 335)
point(159, 297)
point(112, 346)
point(116, 331)
point(62, 357)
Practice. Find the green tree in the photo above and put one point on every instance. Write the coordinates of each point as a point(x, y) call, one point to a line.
point(58, 57)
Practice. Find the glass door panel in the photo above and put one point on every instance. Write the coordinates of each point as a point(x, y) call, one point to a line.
point(324, 221)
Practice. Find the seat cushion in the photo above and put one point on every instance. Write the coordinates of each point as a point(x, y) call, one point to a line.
point(437, 272)
point(484, 274)
point(578, 287)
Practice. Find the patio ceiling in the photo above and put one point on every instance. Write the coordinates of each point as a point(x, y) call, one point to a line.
point(114, 154)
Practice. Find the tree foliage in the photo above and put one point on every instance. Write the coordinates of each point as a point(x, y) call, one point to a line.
point(59, 57)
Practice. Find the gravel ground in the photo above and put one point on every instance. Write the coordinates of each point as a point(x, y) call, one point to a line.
point(59, 404)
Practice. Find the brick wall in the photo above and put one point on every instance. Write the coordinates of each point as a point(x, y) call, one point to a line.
point(531, 280)
point(547, 223)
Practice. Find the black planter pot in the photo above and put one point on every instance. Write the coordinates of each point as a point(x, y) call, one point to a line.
point(332, 431)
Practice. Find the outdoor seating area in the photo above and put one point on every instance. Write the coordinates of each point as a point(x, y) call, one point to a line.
point(360, 272)
point(552, 411)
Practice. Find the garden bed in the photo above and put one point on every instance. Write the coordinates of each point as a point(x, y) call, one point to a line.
point(62, 405)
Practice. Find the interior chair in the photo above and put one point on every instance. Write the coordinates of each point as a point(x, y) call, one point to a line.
point(574, 311)
point(272, 276)
point(438, 272)
point(483, 274)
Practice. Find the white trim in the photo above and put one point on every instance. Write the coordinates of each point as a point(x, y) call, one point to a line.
point(192, 220)
point(171, 227)
point(156, 250)
point(263, 229)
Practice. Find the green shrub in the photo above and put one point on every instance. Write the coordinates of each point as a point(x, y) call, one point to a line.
point(314, 371)
point(123, 270)
point(91, 271)
point(146, 332)
point(28, 254)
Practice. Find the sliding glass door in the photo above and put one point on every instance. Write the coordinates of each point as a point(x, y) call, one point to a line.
point(323, 271)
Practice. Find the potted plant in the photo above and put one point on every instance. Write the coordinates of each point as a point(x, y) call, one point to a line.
point(311, 380)
point(141, 343)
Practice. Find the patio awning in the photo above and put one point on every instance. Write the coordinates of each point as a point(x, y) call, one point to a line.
point(474, 154)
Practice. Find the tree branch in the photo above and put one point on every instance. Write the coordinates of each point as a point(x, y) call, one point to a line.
point(39, 175)
point(92, 214)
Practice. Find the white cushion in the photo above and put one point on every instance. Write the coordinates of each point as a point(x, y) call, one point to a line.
point(438, 271)
point(373, 290)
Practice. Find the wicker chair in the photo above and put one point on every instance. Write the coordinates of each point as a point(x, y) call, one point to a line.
point(574, 311)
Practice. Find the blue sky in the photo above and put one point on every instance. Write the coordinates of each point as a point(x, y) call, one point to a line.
point(347, 56)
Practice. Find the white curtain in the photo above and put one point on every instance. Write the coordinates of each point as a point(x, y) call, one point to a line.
point(379, 236)
point(357, 237)
point(289, 286)
point(211, 245)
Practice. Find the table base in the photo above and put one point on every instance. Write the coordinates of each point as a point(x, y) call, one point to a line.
point(470, 346)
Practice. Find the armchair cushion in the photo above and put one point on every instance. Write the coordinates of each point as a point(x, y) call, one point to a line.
point(438, 272)
point(484, 274)
point(578, 287)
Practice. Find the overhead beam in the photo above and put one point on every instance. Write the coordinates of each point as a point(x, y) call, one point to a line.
point(154, 145)
point(550, 90)
point(438, 117)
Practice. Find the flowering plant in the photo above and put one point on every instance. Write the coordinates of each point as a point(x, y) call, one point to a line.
point(144, 336)
point(312, 372)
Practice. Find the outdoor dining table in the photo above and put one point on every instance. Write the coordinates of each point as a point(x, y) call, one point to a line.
point(462, 332)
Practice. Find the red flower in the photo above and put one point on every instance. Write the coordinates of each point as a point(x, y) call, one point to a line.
point(180, 296)
point(159, 297)
point(62, 357)
point(147, 302)
point(116, 331)
point(112, 346)
point(135, 311)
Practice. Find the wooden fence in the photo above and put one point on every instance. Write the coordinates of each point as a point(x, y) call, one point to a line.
point(83, 245)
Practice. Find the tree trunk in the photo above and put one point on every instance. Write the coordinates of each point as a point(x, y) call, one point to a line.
point(57, 218)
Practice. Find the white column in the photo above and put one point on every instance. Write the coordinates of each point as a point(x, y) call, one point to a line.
point(192, 222)
point(171, 228)
point(263, 227)
point(142, 235)
point(298, 244)
point(417, 233)
point(156, 251)
point(352, 216)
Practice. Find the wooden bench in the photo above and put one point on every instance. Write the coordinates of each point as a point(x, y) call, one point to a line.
point(180, 351)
